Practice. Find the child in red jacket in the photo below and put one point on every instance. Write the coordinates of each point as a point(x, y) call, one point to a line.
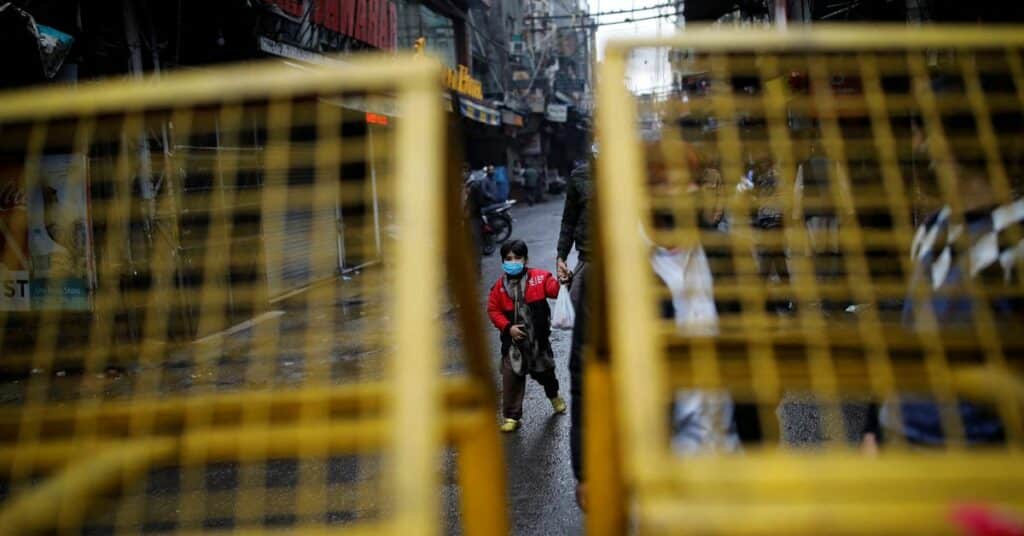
point(518, 307)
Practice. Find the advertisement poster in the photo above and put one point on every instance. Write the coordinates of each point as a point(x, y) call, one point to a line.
point(14, 254)
point(536, 102)
point(46, 246)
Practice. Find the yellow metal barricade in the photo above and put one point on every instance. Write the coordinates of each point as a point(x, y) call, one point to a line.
point(853, 194)
point(225, 307)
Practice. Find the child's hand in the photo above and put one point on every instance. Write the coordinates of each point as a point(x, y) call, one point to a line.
point(517, 332)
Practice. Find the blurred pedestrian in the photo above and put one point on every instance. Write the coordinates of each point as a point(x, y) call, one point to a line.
point(531, 183)
point(518, 308)
point(701, 420)
point(818, 180)
point(761, 183)
point(713, 222)
point(970, 242)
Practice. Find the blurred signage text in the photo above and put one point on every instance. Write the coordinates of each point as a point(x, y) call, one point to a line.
point(374, 22)
point(557, 113)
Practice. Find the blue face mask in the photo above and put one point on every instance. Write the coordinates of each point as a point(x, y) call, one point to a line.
point(513, 268)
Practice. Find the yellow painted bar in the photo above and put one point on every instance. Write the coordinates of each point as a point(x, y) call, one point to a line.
point(252, 443)
point(619, 202)
point(414, 451)
point(605, 489)
point(829, 37)
point(362, 529)
point(229, 408)
point(78, 486)
point(774, 469)
point(482, 483)
point(240, 82)
point(666, 516)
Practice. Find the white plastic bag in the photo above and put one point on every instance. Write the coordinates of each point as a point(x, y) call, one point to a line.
point(702, 422)
point(564, 316)
point(687, 275)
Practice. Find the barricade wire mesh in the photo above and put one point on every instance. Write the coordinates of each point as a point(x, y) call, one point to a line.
point(853, 195)
point(216, 304)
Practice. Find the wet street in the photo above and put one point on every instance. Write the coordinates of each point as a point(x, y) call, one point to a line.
point(540, 481)
point(541, 485)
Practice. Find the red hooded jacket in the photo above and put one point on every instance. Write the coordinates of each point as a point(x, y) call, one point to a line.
point(540, 285)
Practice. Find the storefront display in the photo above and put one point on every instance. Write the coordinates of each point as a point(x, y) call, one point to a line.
point(45, 237)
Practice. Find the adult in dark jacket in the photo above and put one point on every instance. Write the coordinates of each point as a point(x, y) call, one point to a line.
point(477, 196)
point(518, 307)
point(575, 226)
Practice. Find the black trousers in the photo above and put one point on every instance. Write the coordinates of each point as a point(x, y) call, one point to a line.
point(513, 388)
point(576, 377)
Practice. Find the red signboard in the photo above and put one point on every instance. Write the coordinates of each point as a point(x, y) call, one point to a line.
point(376, 119)
point(374, 22)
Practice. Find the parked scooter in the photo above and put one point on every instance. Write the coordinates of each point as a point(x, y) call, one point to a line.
point(496, 225)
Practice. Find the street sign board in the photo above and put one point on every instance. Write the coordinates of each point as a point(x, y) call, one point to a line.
point(536, 102)
point(557, 113)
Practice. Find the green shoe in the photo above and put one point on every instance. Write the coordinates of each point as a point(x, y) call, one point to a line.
point(510, 425)
point(558, 404)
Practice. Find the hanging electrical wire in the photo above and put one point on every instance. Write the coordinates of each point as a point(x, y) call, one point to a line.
point(613, 23)
point(604, 13)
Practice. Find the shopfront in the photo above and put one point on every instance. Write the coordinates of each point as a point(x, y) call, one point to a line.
point(321, 32)
point(484, 137)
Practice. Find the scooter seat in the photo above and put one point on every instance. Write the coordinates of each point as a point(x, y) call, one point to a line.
point(497, 206)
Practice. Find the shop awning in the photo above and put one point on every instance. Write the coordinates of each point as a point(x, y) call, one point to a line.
point(479, 112)
point(474, 110)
